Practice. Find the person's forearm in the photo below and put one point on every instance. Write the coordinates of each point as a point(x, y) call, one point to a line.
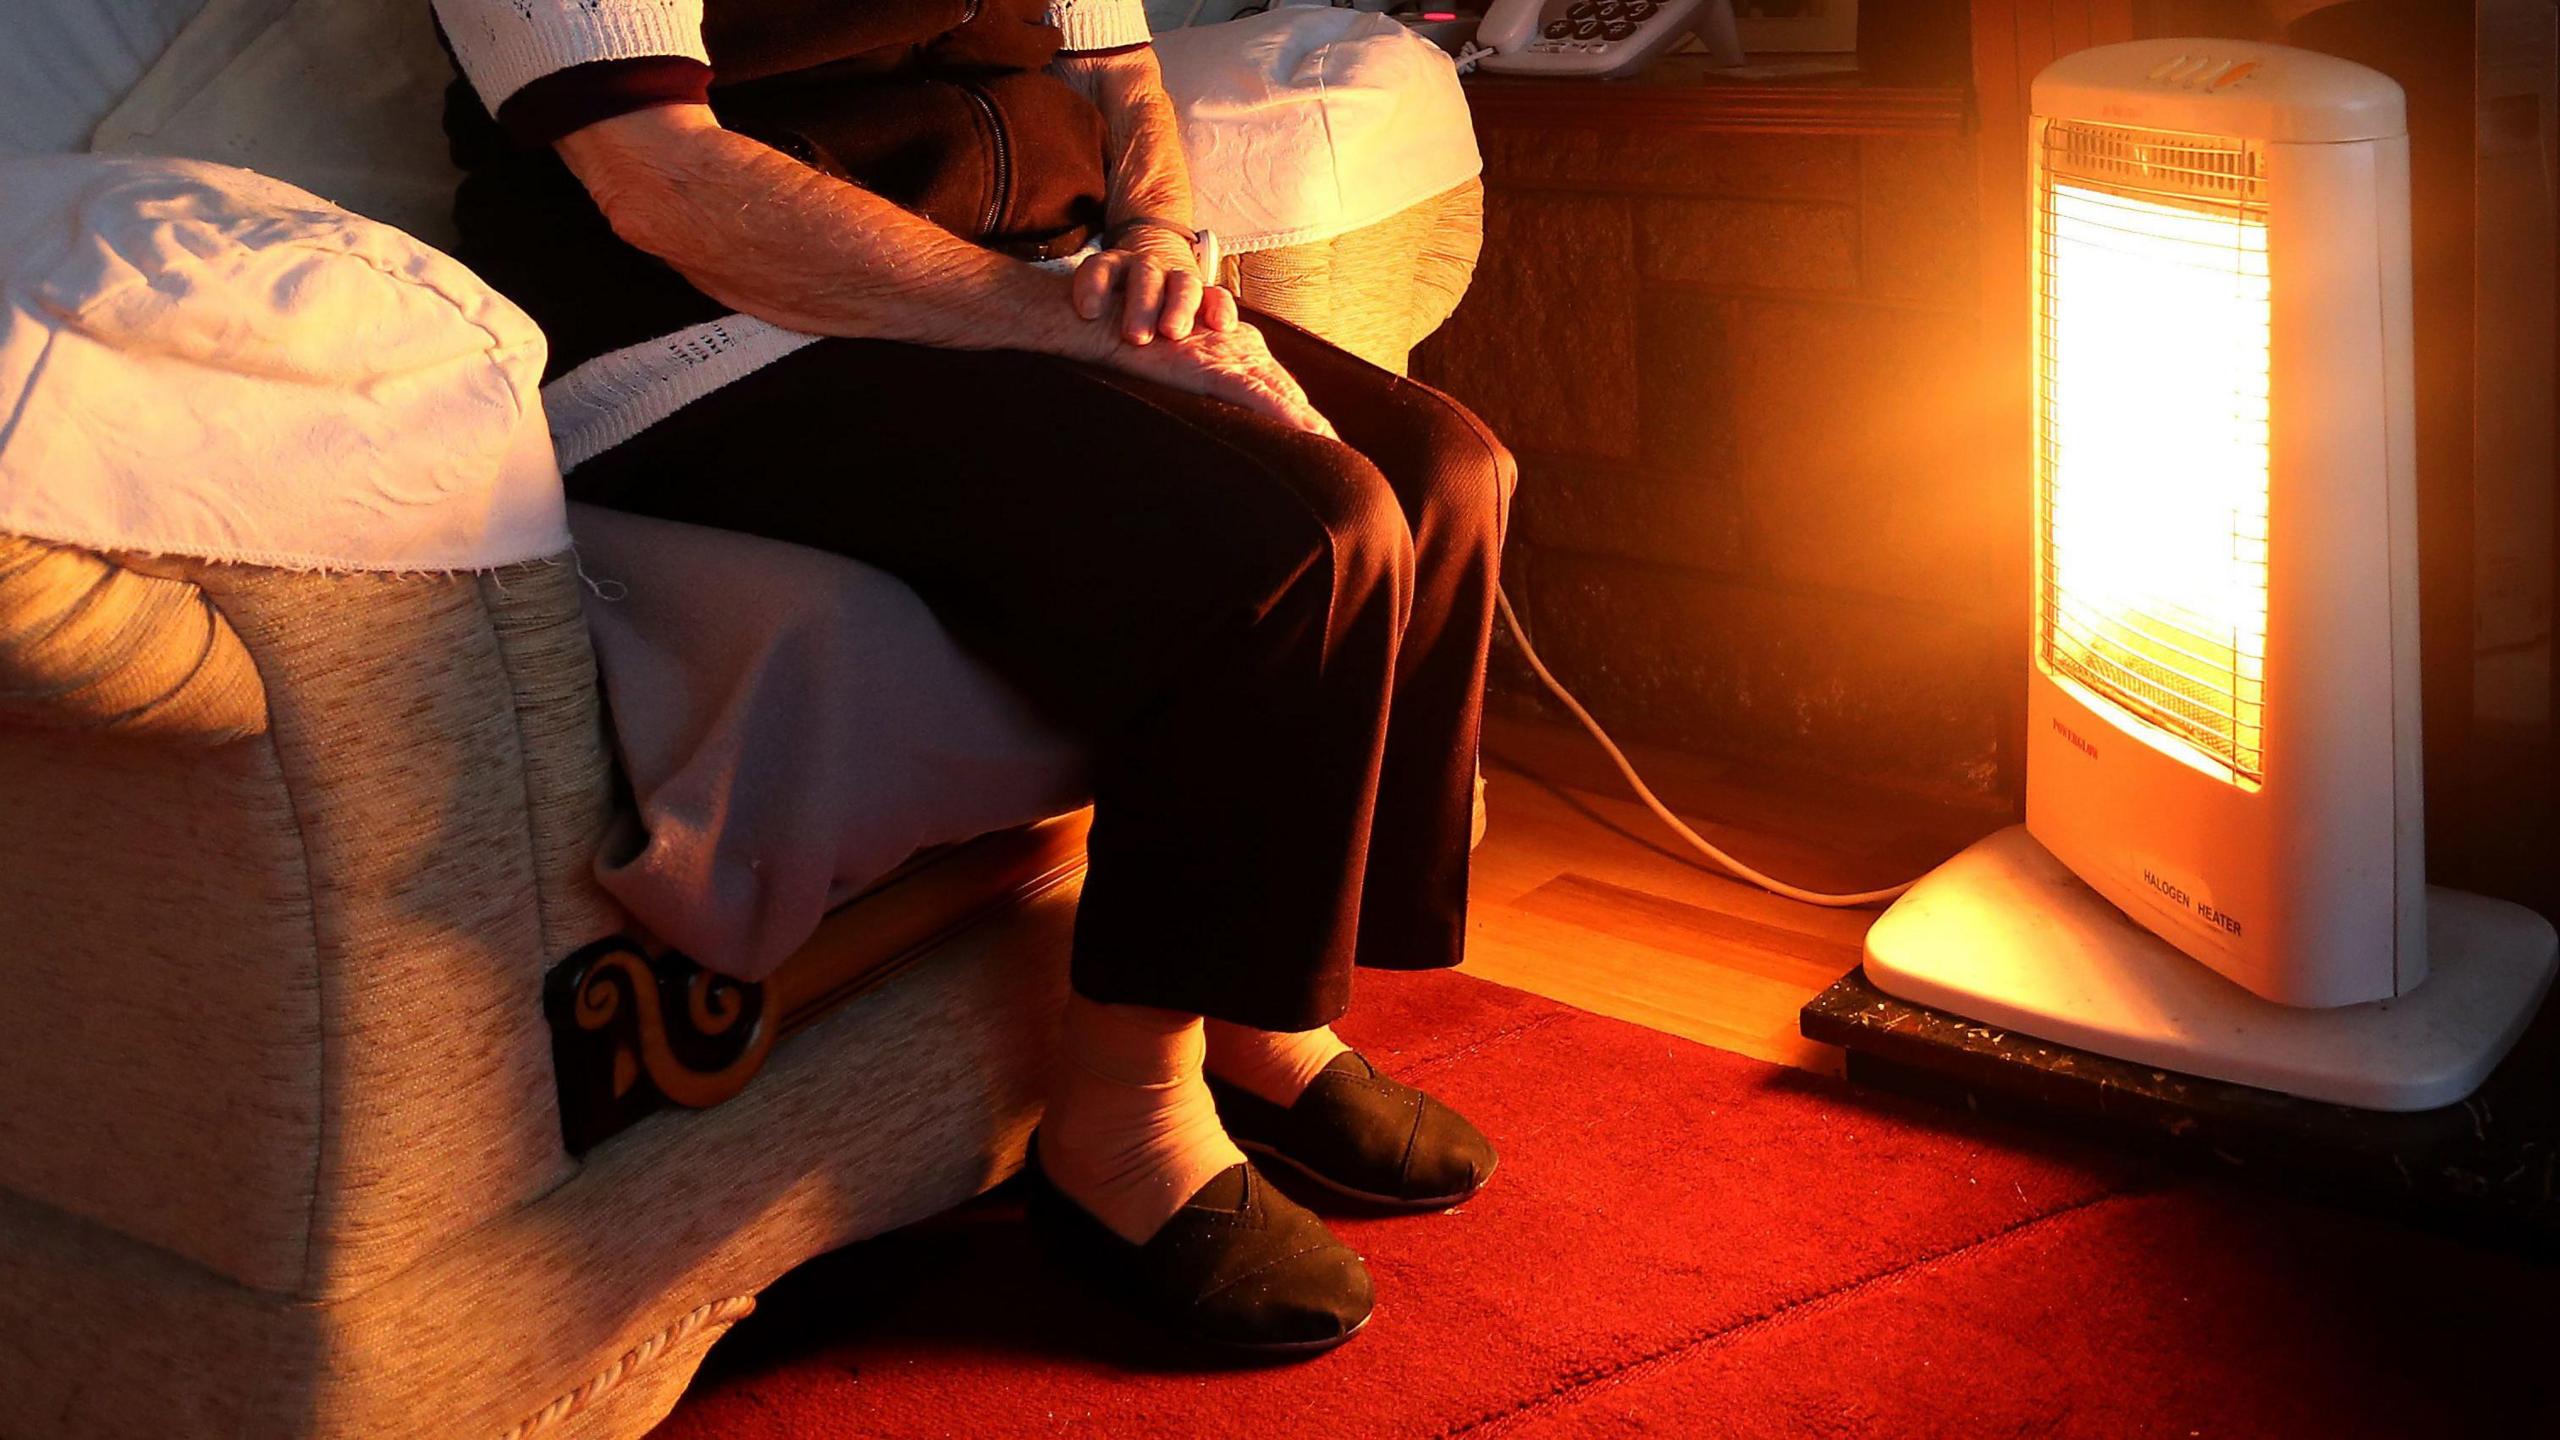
point(1143, 156)
point(757, 230)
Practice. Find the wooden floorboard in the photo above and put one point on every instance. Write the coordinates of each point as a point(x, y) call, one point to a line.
point(1581, 895)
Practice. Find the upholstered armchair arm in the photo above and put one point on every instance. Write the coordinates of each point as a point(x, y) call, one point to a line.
point(284, 857)
point(89, 645)
point(1445, 260)
point(1377, 291)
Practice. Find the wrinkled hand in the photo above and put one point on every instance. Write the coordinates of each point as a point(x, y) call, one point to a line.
point(1230, 364)
point(1156, 283)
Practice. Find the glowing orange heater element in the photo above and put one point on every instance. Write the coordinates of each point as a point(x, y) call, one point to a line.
point(2155, 322)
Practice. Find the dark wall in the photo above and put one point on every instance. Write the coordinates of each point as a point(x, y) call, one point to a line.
point(1739, 367)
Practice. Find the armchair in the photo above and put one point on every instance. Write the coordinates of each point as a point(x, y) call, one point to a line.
point(290, 856)
point(336, 1098)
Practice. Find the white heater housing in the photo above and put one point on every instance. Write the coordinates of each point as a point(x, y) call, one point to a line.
point(2222, 748)
point(2223, 707)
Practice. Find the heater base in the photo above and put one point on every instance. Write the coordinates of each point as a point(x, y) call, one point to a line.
point(2006, 935)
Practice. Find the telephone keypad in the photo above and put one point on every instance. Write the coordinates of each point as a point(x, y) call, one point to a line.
point(1587, 27)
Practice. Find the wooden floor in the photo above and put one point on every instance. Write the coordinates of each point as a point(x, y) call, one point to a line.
point(1582, 896)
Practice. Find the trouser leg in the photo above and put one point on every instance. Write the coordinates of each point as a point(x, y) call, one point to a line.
point(1232, 814)
point(1212, 602)
point(1454, 482)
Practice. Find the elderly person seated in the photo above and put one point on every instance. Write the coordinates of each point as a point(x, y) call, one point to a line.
point(916, 281)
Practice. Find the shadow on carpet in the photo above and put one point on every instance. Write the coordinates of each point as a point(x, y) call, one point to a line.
point(1685, 1242)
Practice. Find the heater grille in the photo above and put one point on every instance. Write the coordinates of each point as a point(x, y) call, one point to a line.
point(2154, 325)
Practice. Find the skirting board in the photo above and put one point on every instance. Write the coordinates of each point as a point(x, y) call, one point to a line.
point(2005, 935)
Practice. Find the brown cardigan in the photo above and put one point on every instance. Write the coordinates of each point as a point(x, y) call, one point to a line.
point(946, 107)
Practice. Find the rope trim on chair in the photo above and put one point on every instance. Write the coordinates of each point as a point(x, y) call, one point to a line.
point(718, 1312)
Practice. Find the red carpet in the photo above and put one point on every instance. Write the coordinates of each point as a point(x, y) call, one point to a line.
point(1683, 1242)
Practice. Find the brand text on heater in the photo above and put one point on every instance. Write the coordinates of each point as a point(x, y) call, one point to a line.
point(2077, 743)
point(2177, 895)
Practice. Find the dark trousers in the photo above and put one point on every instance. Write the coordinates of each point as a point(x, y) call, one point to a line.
point(1272, 644)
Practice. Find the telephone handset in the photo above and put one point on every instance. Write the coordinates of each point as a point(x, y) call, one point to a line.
point(1599, 39)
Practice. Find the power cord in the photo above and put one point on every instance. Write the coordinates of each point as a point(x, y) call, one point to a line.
point(1662, 812)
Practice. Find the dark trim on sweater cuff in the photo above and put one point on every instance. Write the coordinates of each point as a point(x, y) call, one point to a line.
point(1108, 51)
point(570, 100)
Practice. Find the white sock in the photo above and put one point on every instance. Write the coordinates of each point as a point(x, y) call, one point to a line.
point(1131, 1132)
point(1274, 1064)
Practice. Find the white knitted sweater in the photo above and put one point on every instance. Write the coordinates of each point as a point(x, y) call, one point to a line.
point(505, 45)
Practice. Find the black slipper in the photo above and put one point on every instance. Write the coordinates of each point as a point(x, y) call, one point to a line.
point(1240, 1266)
point(1362, 1135)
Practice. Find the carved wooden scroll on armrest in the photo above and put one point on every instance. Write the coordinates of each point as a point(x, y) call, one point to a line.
point(633, 1030)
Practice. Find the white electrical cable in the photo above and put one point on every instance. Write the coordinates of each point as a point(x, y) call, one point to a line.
point(1661, 811)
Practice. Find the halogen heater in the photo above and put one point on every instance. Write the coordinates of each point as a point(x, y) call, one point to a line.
point(2222, 870)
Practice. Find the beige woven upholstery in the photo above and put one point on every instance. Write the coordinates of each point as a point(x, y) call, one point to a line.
point(89, 645)
point(253, 962)
point(279, 1153)
point(565, 1316)
point(1376, 291)
point(284, 860)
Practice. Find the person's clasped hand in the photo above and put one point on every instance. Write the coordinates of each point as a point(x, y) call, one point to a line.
point(1178, 329)
point(1231, 365)
point(1151, 277)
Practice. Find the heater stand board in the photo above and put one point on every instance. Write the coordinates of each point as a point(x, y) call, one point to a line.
point(2488, 1168)
point(2005, 935)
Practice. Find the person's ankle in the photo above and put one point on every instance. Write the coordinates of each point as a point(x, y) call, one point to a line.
point(1131, 1132)
point(1273, 1065)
